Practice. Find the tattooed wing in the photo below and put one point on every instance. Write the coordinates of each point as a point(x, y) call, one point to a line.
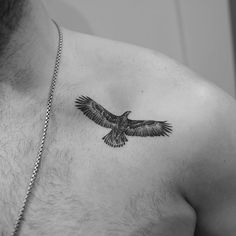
point(146, 128)
point(96, 112)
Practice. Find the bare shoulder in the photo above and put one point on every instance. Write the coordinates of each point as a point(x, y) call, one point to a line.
point(124, 77)
point(153, 86)
point(149, 81)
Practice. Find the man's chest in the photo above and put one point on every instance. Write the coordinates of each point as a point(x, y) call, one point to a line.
point(83, 187)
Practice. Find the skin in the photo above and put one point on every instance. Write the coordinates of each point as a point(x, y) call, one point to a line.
point(181, 185)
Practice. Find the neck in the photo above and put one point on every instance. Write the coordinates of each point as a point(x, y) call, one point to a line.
point(27, 63)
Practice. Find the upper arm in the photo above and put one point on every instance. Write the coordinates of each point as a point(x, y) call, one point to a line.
point(210, 176)
point(204, 122)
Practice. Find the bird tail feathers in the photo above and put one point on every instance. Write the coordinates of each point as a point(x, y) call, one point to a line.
point(115, 139)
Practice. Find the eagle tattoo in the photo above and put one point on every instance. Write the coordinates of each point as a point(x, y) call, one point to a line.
point(120, 125)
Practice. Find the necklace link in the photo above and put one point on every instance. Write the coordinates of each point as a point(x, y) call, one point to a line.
point(39, 155)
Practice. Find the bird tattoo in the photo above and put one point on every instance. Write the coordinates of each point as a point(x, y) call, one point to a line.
point(120, 125)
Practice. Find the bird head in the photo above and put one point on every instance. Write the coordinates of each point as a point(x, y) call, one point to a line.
point(126, 113)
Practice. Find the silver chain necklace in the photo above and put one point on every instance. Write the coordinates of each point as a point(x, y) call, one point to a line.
point(39, 156)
